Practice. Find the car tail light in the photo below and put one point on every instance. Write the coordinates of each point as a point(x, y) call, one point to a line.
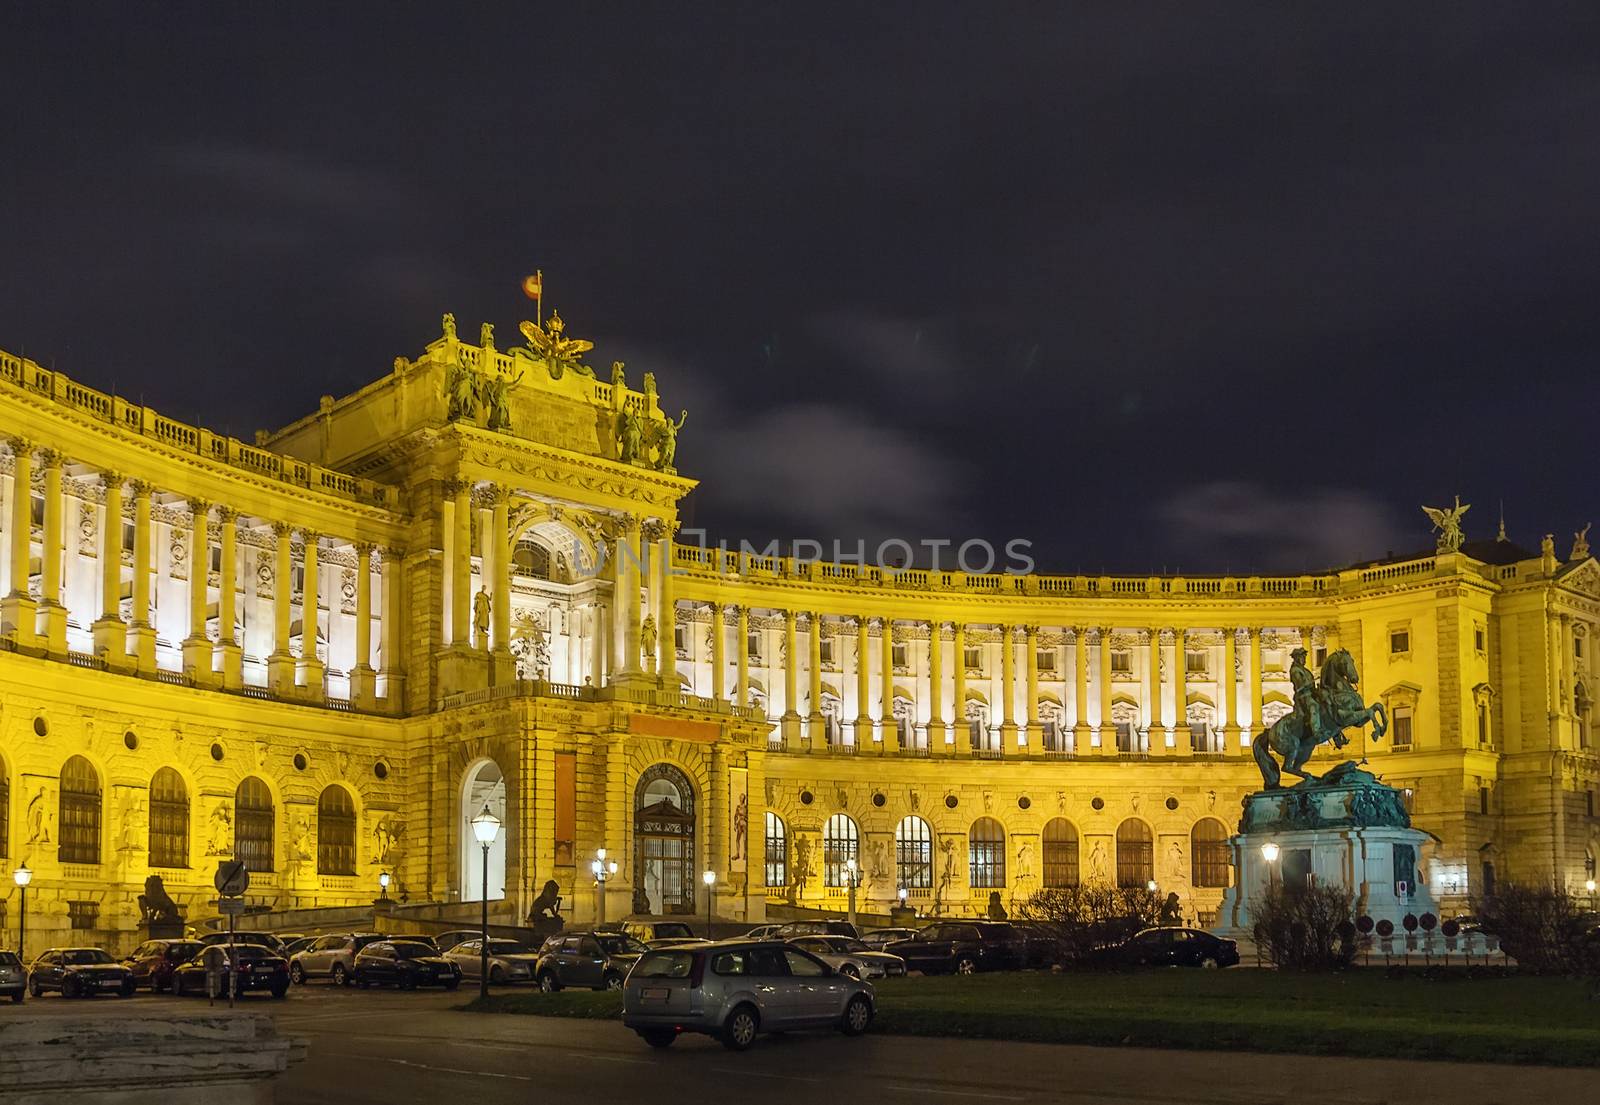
point(697, 971)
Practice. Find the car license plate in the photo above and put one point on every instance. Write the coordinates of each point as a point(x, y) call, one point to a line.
point(654, 993)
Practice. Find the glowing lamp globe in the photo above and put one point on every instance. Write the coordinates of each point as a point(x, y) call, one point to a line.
point(1269, 852)
point(486, 826)
point(710, 878)
point(22, 876)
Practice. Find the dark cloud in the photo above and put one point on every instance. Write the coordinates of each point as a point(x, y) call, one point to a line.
point(1089, 276)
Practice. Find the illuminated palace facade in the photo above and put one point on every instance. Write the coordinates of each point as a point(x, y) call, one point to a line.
point(325, 651)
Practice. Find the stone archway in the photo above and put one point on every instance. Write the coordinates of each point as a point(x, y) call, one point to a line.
point(483, 785)
point(664, 842)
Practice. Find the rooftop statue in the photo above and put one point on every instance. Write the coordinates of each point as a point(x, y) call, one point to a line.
point(1321, 713)
point(558, 353)
point(1580, 543)
point(667, 442)
point(1447, 520)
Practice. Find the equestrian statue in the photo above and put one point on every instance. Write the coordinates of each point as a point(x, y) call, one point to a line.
point(1322, 712)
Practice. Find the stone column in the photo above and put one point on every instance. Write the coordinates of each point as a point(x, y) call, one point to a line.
point(887, 730)
point(230, 656)
point(791, 679)
point(1108, 731)
point(313, 671)
point(863, 685)
point(936, 735)
point(1182, 743)
point(51, 607)
point(1008, 691)
point(142, 632)
point(363, 679)
point(719, 654)
point(1158, 728)
point(1229, 687)
point(280, 663)
point(110, 631)
point(447, 570)
point(19, 614)
point(1256, 723)
point(958, 665)
point(716, 848)
point(819, 728)
point(1030, 708)
point(1080, 705)
point(667, 616)
point(599, 625)
point(741, 684)
point(500, 605)
point(197, 650)
point(390, 662)
point(461, 569)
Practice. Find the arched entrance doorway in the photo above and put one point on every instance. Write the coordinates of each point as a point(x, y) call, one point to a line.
point(483, 785)
point(663, 826)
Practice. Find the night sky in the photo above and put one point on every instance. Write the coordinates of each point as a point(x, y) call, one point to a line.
point(1181, 286)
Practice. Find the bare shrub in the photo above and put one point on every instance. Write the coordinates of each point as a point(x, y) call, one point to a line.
point(1077, 920)
point(1305, 928)
point(1541, 926)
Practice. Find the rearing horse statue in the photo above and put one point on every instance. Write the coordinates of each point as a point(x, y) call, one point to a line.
point(1339, 707)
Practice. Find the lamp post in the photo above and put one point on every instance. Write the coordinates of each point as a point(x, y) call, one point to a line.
point(1269, 852)
point(22, 877)
point(1589, 886)
point(852, 879)
point(384, 878)
point(602, 869)
point(710, 879)
point(485, 827)
point(902, 895)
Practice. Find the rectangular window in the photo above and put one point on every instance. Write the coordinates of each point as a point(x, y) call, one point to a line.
point(82, 916)
point(1577, 647)
point(1124, 736)
point(1321, 656)
point(1121, 662)
point(216, 558)
point(38, 511)
point(1480, 639)
point(680, 639)
point(825, 650)
point(1400, 731)
point(898, 655)
point(1483, 800)
point(1046, 659)
point(972, 657)
point(566, 818)
point(1199, 738)
point(1194, 661)
point(1399, 641)
point(755, 646)
point(1483, 723)
point(128, 533)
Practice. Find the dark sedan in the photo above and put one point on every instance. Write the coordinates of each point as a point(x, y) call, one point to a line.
point(245, 968)
point(1170, 947)
point(961, 948)
point(405, 964)
point(154, 961)
point(79, 973)
point(13, 976)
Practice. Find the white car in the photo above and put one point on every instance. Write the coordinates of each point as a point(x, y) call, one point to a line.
point(850, 957)
point(762, 932)
point(509, 961)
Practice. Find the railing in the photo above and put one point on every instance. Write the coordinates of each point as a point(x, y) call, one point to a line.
point(1399, 571)
point(183, 437)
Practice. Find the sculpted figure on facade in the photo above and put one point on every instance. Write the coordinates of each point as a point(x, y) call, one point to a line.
point(1099, 863)
point(40, 819)
point(481, 608)
point(461, 392)
point(629, 437)
point(449, 326)
point(219, 830)
point(647, 636)
point(1580, 543)
point(1447, 520)
point(667, 442)
point(497, 402)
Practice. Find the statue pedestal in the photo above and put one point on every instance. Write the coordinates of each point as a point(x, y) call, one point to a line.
point(1346, 829)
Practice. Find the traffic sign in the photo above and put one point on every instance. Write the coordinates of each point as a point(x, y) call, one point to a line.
point(230, 907)
point(232, 878)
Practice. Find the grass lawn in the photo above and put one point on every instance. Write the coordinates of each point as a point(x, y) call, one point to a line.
point(1359, 1013)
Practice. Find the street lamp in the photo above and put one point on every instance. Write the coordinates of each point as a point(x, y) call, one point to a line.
point(384, 878)
point(1269, 852)
point(852, 879)
point(710, 879)
point(902, 893)
point(1151, 886)
point(22, 877)
point(602, 870)
point(486, 827)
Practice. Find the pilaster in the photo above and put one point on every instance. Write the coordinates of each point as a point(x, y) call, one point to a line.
point(19, 614)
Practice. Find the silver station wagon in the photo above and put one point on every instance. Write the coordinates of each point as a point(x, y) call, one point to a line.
point(735, 989)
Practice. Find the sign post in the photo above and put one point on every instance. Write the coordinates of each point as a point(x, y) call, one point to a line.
point(232, 880)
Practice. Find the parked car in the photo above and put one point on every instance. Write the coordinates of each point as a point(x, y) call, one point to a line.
point(599, 960)
point(763, 932)
point(876, 939)
point(447, 940)
point(852, 958)
point(735, 989)
point(816, 928)
point(660, 934)
point(1170, 947)
point(265, 939)
point(509, 961)
point(248, 967)
point(961, 947)
point(153, 962)
point(415, 938)
point(79, 973)
point(13, 976)
point(299, 944)
point(332, 957)
point(406, 964)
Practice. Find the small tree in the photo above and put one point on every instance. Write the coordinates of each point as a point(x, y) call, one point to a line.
point(1079, 919)
point(1539, 925)
point(1305, 928)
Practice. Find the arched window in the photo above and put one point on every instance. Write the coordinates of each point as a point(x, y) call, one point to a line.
point(1208, 853)
point(5, 810)
point(986, 855)
point(777, 851)
point(169, 820)
point(1136, 864)
point(530, 560)
point(336, 832)
point(840, 844)
point(1060, 854)
point(913, 853)
point(253, 824)
point(80, 812)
